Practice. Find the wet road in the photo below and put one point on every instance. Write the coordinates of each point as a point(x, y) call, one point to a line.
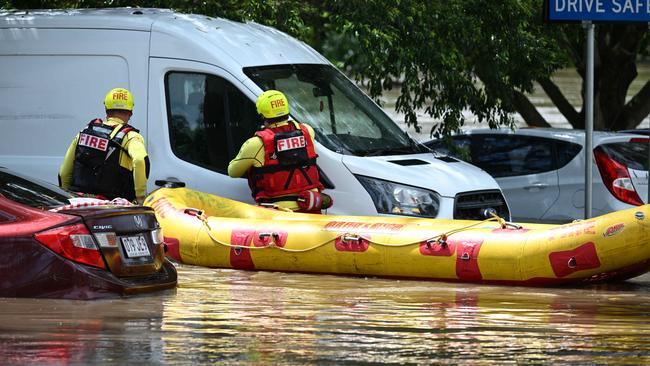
point(260, 318)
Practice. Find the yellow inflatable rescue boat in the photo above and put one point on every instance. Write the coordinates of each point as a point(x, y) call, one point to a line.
point(212, 231)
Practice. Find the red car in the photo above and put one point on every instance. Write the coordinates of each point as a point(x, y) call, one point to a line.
point(50, 248)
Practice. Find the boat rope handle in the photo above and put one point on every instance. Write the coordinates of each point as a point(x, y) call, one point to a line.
point(272, 235)
point(440, 238)
point(193, 212)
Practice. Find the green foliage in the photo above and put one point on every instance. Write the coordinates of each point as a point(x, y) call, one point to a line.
point(448, 57)
point(305, 20)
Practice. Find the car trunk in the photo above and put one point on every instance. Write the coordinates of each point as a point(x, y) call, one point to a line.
point(130, 238)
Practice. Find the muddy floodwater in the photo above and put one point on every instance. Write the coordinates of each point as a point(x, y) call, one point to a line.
point(261, 318)
point(230, 317)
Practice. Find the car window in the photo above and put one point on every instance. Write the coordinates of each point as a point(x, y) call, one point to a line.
point(634, 155)
point(31, 193)
point(566, 151)
point(459, 146)
point(512, 155)
point(209, 119)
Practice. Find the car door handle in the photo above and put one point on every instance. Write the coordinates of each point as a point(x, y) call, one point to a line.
point(536, 186)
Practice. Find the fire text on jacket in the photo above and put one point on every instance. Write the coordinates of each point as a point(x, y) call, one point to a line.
point(93, 142)
point(290, 143)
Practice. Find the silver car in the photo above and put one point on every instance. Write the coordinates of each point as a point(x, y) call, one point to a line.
point(541, 170)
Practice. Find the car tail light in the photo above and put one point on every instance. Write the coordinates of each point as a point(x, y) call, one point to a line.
point(106, 239)
point(73, 242)
point(616, 178)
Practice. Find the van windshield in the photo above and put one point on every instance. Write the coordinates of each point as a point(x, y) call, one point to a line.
point(344, 118)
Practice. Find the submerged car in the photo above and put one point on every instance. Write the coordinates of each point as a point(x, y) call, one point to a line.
point(54, 244)
point(541, 170)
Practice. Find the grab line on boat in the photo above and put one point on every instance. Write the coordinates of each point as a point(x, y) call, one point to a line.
point(440, 238)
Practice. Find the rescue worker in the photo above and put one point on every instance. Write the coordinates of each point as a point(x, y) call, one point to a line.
point(280, 160)
point(108, 159)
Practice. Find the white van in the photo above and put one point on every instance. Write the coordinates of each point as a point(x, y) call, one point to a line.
point(194, 81)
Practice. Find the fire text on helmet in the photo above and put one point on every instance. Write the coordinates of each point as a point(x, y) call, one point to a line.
point(120, 96)
point(277, 103)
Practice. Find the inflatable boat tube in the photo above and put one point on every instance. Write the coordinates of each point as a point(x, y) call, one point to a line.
point(208, 230)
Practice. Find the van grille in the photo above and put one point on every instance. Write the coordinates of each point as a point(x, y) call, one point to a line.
point(472, 205)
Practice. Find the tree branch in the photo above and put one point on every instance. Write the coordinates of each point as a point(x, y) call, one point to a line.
point(527, 110)
point(637, 108)
point(560, 101)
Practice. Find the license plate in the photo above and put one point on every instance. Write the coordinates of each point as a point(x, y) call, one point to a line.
point(135, 246)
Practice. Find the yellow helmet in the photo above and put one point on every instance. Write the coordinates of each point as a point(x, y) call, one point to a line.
point(119, 98)
point(272, 104)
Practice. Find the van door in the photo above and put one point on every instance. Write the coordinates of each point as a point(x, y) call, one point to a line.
point(198, 119)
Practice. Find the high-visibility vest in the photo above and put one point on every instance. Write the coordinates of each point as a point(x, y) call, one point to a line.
point(289, 162)
point(97, 168)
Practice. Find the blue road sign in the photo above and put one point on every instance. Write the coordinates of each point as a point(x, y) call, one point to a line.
point(599, 10)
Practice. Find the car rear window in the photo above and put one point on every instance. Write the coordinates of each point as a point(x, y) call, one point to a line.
point(633, 154)
point(458, 147)
point(504, 155)
point(31, 193)
point(566, 151)
point(512, 155)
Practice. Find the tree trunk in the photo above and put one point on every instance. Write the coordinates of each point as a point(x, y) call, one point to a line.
point(527, 110)
point(616, 50)
point(636, 109)
point(560, 101)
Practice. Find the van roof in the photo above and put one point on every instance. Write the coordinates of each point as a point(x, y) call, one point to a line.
point(250, 43)
point(109, 18)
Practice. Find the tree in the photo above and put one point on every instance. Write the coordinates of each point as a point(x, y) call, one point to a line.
point(617, 49)
point(450, 56)
point(447, 56)
point(485, 57)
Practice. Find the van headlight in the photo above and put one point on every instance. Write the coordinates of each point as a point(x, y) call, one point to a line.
point(399, 199)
